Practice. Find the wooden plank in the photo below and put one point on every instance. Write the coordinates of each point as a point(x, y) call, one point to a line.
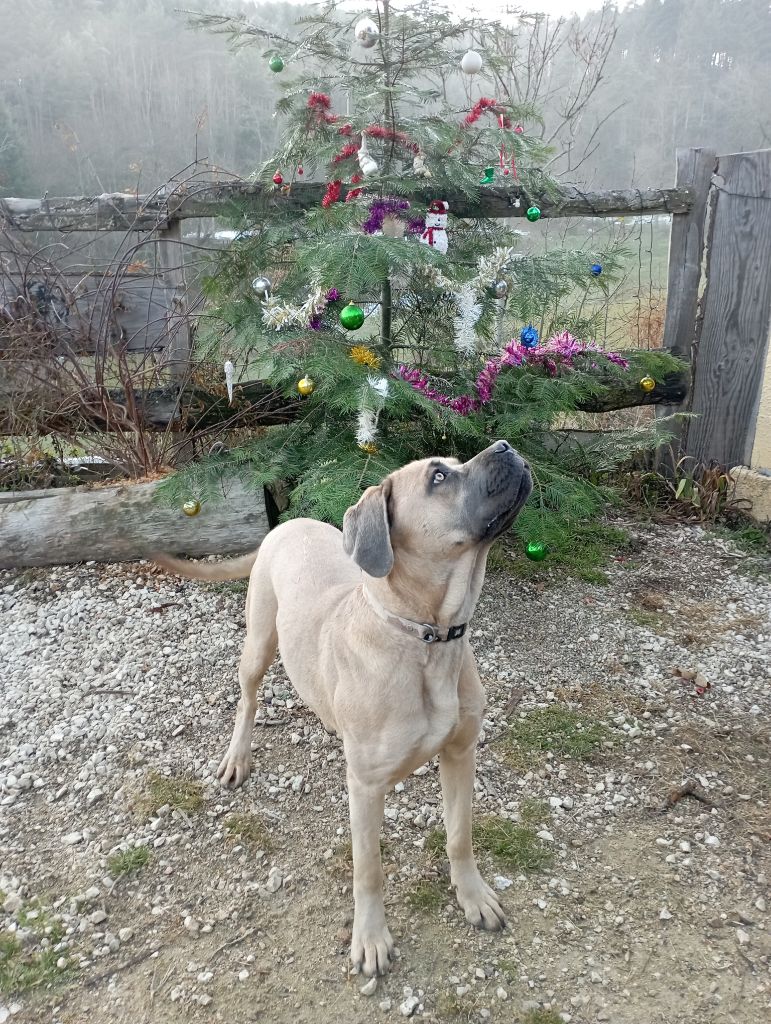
point(177, 325)
point(138, 308)
point(695, 168)
point(735, 313)
point(119, 212)
point(122, 523)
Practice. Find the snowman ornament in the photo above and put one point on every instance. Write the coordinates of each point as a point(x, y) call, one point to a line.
point(435, 234)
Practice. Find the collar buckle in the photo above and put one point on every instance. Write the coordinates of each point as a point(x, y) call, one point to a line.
point(430, 634)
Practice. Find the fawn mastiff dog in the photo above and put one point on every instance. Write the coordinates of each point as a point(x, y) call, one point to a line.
point(370, 624)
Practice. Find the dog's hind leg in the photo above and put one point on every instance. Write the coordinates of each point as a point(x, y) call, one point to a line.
point(256, 657)
point(456, 770)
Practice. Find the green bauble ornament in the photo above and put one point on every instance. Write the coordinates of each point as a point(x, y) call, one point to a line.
point(536, 550)
point(352, 317)
point(276, 64)
point(533, 213)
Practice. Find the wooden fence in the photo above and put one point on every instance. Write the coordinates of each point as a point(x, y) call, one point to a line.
point(719, 283)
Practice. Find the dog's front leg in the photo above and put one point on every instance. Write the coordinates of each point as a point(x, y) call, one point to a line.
point(371, 943)
point(457, 763)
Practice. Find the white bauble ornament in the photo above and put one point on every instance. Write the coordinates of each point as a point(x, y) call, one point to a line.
point(366, 33)
point(471, 63)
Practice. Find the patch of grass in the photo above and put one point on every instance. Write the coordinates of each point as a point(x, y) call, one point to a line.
point(25, 967)
point(182, 793)
point(427, 894)
point(752, 539)
point(534, 812)
point(248, 828)
point(559, 730)
point(582, 552)
point(541, 1016)
point(517, 847)
point(128, 861)
point(641, 617)
point(436, 843)
point(236, 587)
point(510, 970)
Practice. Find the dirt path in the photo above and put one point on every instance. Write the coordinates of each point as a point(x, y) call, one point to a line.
point(649, 903)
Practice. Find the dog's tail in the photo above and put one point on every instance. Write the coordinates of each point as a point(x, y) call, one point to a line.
point(232, 569)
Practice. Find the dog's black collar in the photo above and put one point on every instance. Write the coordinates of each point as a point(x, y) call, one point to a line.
point(425, 631)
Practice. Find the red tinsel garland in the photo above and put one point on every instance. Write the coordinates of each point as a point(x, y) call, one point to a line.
point(351, 149)
point(481, 106)
point(332, 193)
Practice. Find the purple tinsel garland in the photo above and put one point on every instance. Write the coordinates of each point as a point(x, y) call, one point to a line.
point(561, 350)
point(379, 209)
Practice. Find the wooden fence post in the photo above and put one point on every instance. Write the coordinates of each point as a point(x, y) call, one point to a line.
point(695, 168)
point(170, 251)
point(735, 313)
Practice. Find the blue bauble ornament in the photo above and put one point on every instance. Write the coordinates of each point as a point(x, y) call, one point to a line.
point(528, 337)
point(596, 269)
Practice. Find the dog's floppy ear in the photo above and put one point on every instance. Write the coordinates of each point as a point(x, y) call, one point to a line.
point(366, 533)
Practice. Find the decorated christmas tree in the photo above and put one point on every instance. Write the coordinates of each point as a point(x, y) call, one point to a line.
point(406, 329)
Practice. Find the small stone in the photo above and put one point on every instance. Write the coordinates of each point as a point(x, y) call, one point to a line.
point(596, 978)
point(742, 937)
point(385, 1005)
point(545, 835)
point(205, 976)
point(664, 915)
point(202, 998)
point(72, 838)
point(479, 973)
point(502, 883)
point(501, 992)
point(125, 934)
point(275, 880)
point(370, 988)
point(760, 903)
point(12, 903)
point(97, 917)
point(191, 924)
point(409, 1006)
point(461, 990)
point(712, 841)
point(176, 993)
point(61, 963)
point(685, 847)
point(243, 975)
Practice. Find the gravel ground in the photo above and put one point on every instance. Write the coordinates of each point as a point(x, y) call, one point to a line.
point(119, 689)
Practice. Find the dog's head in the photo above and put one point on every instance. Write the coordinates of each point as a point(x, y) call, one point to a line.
point(437, 508)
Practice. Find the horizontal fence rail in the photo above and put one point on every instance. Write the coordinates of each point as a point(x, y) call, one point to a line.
point(119, 211)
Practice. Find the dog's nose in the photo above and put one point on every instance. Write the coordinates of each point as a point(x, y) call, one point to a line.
point(501, 446)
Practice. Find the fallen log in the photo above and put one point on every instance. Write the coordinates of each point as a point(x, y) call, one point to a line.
point(59, 526)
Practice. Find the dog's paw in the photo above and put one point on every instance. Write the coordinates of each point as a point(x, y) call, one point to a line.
point(235, 768)
point(480, 904)
point(371, 950)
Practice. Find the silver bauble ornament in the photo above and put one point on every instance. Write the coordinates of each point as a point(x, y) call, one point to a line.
point(262, 286)
point(471, 63)
point(500, 289)
point(366, 33)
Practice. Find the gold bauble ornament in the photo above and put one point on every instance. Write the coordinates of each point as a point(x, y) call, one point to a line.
point(647, 383)
point(305, 386)
point(191, 507)
point(369, 447)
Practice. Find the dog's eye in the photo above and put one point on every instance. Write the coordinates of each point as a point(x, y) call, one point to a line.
point(438, 476)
